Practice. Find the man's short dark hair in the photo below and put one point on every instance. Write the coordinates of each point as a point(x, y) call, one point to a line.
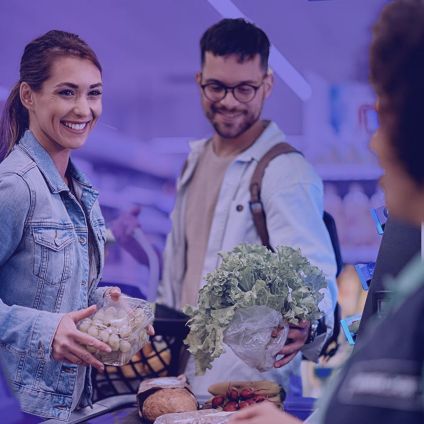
point(397, 73)
point(235, 37)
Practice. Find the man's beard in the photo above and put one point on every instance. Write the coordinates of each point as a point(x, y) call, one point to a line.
point(230, 131)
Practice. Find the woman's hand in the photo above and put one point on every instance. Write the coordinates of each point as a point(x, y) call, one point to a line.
point(262, 413)
point(68, 342)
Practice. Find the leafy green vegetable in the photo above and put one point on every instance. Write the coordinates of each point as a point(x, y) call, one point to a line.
point(250, 275)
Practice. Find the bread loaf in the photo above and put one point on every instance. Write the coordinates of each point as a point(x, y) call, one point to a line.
point(165, 401)
point(158, 396)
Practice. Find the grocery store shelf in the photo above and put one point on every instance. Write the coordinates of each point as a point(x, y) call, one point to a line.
point(348, 172)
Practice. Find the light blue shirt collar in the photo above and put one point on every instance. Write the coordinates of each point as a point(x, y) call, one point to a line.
point(269, 136)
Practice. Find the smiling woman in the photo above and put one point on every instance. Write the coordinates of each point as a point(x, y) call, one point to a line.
point(63, 112)
point(51, 227)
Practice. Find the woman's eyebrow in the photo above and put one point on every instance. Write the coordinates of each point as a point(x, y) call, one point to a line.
point(75, 86)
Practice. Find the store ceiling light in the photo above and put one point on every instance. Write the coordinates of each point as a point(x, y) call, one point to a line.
point(280, 65)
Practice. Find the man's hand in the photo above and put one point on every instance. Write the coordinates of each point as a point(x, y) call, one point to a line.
point(262, 413)
point(68, 342)
point(296, 339)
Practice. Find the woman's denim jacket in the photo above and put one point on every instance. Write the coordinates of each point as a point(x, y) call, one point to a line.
point(44, 273)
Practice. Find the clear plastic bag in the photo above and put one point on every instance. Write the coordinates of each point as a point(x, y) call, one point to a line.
point(208, 416)
point(250, 336)
point(121, 325)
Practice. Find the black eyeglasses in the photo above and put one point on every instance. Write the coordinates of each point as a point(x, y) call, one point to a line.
point(243, 92)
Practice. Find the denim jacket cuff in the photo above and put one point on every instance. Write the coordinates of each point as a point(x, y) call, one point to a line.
point(43, 332)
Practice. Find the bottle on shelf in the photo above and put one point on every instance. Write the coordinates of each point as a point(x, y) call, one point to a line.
point(359, 225)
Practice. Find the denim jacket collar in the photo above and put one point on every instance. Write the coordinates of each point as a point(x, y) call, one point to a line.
point(77, 175)
point(47, 167)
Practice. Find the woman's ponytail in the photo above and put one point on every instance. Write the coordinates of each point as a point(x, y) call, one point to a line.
point(13, 122)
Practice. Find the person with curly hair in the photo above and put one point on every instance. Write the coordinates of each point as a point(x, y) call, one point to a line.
point(383, 380)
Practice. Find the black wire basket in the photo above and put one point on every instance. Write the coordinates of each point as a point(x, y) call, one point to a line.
point(165, 355)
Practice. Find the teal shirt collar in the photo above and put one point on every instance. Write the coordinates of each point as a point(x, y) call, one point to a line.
point(408, 280)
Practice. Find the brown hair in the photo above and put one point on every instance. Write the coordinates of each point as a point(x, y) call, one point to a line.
point(35, 68)
point(235, 37)
point(397, 73)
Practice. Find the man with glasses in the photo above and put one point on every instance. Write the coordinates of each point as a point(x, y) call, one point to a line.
point(212, 207)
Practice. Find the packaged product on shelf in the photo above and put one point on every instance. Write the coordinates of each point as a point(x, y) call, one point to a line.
point(358, 222)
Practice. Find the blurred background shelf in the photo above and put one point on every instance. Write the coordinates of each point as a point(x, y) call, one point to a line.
point(348, 172)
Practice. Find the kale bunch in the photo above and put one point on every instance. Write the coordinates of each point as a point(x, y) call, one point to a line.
point(250, 275)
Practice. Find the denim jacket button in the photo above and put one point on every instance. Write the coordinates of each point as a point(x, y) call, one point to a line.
point(239, 208)
point(57, 242)
point(82, 240)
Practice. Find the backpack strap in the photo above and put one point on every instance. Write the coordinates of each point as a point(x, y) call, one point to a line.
point(259, 219)
point(255, 203)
